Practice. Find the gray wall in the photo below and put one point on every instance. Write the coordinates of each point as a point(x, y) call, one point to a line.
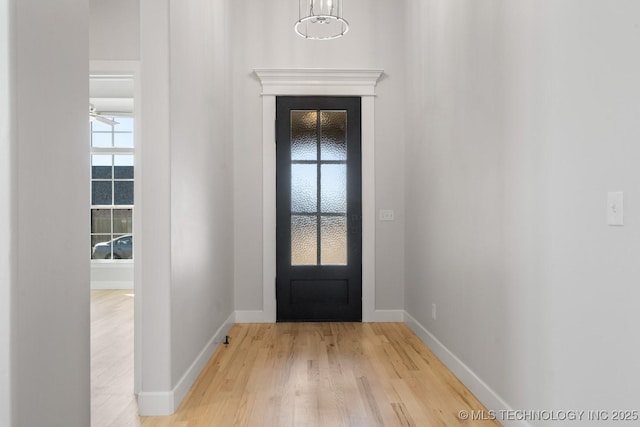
point(185, 239)
point(187, 187)
point(114, 30)
point(522, 116)
point(263, 33)
point(7, 205)
point(201, 178)
point(47, 205)
point(112, 275)
point(154, 235)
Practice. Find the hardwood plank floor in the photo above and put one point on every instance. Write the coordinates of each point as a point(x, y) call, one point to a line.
point(324, 374)
point(285, 374)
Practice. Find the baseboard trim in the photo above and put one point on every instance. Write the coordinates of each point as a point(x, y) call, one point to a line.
point(166, 403)
point(260, 316)
point(184, 385)
point(155, 403)
point(470, 379)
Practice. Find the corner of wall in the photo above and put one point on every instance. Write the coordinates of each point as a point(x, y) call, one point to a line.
point(162, 403)
point(470, 379)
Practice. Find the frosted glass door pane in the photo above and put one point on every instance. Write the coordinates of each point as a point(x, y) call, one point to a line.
point(333, 240)
point(333, 135)
point(304, 188)
point(304, 240)
point(304, 135)
point(318, 146)
point(333, 194)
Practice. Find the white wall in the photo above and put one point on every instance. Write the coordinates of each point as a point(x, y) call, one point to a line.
point(263, 33)
point(187, 194)
point(50, 297)
point(594, 134)
point(117, 275)
point(114, 30)
point(201, 178)
point(522, 116)
point(154, 235)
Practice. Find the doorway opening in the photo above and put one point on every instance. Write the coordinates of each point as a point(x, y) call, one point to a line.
point(114, 252)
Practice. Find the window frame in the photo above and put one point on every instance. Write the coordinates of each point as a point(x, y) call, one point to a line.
point(111, 151)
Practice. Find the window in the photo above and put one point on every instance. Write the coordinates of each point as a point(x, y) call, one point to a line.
point(112, 164)
point(318, 187)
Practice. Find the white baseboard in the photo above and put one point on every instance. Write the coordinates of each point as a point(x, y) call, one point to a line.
point(155, 403)
point(107, 284)
point(184, 385)
point(470, 379)
point(166, 403)
point(260, 316)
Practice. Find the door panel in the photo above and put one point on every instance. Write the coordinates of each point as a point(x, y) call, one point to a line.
point(319, 209)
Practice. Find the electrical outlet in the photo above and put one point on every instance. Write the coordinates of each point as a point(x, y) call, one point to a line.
point(433, 311)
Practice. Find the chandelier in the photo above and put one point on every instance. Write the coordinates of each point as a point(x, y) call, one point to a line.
point(321, 19)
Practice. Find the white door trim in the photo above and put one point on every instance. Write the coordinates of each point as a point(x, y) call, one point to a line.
point(328, 82)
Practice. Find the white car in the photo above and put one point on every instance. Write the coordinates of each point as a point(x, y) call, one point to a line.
point(119, 248)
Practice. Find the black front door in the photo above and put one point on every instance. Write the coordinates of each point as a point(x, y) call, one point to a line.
point(319, 209)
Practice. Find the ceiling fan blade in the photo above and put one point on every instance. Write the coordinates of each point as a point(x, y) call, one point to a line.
point(105, 120)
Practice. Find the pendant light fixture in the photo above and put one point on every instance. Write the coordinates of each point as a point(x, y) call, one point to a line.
point(321, 19)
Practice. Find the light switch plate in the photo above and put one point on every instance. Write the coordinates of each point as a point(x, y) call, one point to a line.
point(386, 215)
point(615, 211)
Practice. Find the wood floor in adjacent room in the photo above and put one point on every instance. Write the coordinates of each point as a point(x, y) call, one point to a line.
point(113, 403)
point(285, 375)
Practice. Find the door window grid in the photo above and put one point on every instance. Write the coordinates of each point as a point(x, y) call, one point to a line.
point(318, 153)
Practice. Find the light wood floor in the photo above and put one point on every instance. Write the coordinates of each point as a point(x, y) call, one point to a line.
point(281, 375)
point(324, 374)
point(113, 403)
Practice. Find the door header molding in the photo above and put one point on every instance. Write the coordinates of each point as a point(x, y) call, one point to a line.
point(318, 81)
